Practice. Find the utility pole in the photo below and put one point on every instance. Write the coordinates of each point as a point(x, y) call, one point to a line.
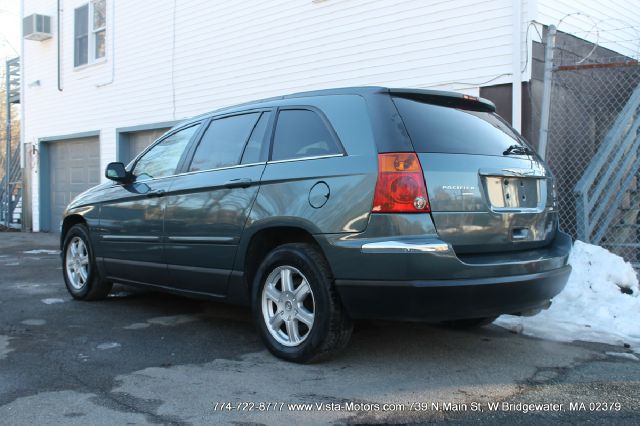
point(546, 93)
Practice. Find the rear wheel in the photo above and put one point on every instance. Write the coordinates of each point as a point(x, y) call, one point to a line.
point(79, 267)
point(296, 307)
point(469, 322)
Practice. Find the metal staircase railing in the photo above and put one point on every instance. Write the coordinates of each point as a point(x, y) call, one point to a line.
point(610, 177)
point(14, 196)
point(11, 185)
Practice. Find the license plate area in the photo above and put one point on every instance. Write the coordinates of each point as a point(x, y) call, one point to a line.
point(509, 193)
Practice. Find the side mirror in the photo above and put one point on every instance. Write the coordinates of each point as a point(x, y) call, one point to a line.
point(116, 172)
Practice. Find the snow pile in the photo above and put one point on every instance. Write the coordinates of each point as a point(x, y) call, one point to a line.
point(599, 304)
point(42, 251)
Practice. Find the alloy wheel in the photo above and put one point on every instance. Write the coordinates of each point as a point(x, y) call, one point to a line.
point(77, 263)
point(288, 306)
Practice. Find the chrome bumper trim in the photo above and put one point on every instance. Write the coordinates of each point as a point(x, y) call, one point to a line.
point(403, 247)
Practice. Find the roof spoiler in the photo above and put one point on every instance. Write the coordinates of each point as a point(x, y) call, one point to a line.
point(446, 98)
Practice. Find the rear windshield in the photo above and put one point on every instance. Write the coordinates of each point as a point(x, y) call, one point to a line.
point(435, 128)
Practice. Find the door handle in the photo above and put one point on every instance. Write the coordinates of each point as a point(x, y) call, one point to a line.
point(238, 183)
point(154, 194)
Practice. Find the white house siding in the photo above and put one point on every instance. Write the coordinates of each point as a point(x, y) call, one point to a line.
point(614, 24)
point(165, 64)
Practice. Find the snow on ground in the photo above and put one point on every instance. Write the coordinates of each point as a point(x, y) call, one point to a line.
point(41, 251)
point(4, 346)
point(600, 303)
point(52, 301)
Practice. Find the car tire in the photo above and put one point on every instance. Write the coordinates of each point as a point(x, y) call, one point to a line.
point(283, 307)
point(81, 275)
point(469, 323)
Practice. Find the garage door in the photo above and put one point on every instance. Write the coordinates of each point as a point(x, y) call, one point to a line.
point(74, 166)
point(138, 141)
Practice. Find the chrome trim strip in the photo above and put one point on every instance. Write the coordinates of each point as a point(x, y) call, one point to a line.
point(130, 238)
point(514, 173)
point(201, 239)
point(403, 247)
point(316, 157)
point(538, 209)
point(237, 166)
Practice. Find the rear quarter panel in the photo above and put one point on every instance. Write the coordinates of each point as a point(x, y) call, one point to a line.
point(286, 185)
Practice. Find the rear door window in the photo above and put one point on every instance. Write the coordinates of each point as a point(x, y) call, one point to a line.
point(223, 142)
point(302, 133)
point(436, 128)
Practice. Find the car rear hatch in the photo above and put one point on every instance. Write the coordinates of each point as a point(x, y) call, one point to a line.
point(487, 190)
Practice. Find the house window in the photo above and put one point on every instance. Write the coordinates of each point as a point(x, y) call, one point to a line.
point(90, 22)
point(99, 28)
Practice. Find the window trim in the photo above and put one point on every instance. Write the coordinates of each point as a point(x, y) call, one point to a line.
point(91, 35)
point(313, 157)
point(264, 146)
point(195, 172)
point(327, 124)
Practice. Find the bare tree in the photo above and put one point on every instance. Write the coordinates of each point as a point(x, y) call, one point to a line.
point(15, 123)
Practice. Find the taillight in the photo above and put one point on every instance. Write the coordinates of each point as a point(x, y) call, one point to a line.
point(400, 187)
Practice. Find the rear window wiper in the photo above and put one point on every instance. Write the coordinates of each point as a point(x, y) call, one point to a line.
point(517, 150)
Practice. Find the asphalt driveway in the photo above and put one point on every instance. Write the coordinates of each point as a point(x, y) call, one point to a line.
point(142, 357)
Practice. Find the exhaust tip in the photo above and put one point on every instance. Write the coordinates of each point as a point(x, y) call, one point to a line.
point(535, 311)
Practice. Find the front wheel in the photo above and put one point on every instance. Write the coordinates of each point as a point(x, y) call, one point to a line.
point(296, 307)
point(79, 266)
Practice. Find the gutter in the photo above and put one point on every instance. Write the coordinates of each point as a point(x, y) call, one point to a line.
point(516, 63)
point(59, 36)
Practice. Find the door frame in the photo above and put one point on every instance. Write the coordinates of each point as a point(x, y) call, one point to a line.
point(44, 166)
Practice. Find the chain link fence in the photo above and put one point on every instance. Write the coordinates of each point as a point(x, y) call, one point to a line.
point(593, 145)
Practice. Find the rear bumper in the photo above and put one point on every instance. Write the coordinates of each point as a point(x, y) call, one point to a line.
point(399, 268)
point(440, 300)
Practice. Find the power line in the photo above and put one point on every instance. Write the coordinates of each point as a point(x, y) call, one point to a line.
point(7, 42)
point(621, 41)
point(608, 30)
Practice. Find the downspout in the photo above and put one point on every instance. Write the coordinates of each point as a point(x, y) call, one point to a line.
point(27, 200)
point(59, 46)
point(516, 63)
